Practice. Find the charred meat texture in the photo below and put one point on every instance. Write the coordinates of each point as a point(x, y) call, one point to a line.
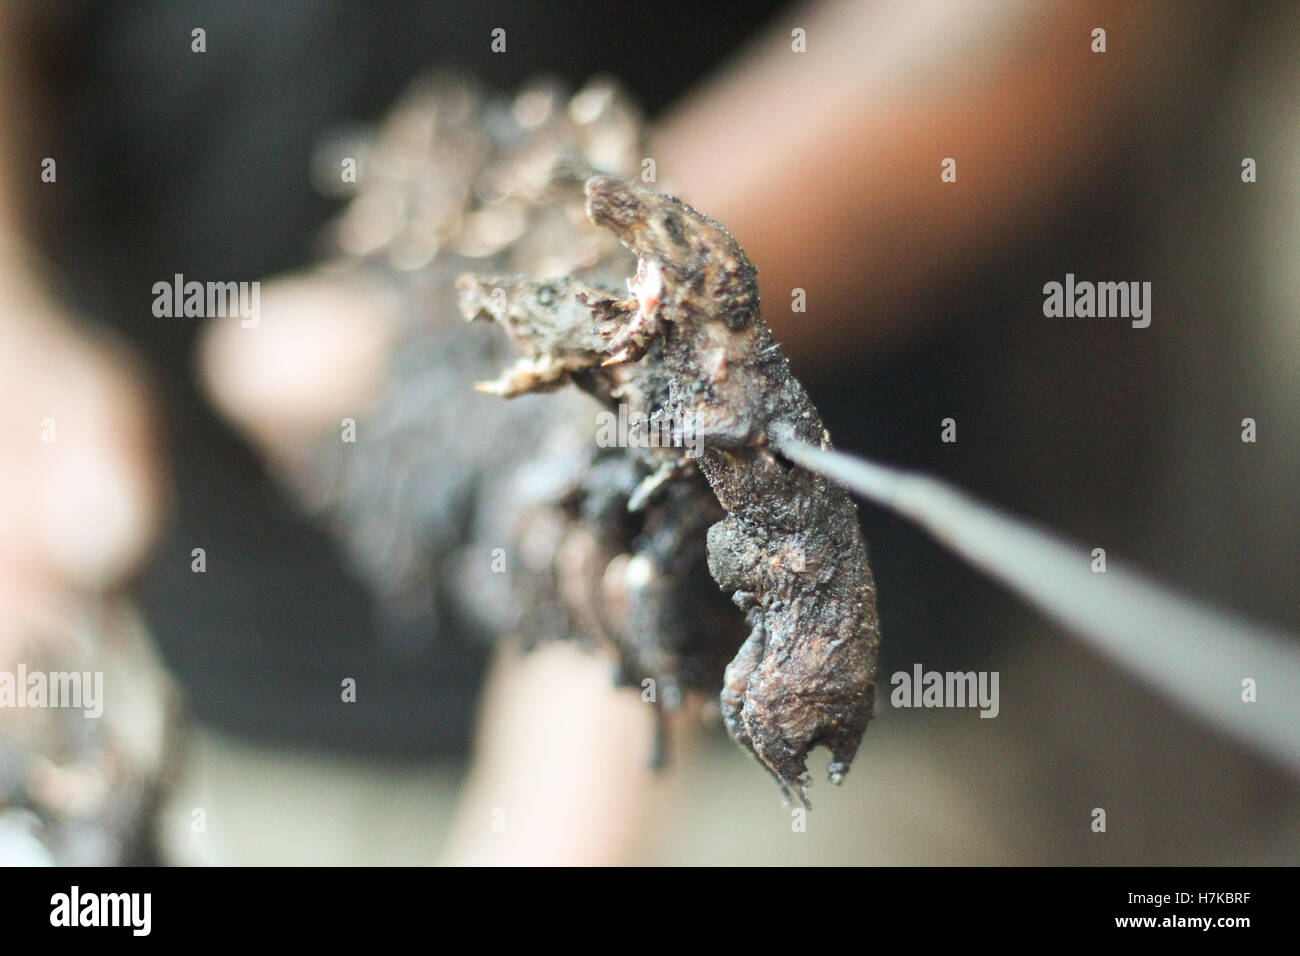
point(520, 527)
point(456, 179)
point(626, 562)
point(689, 344)
point(544, 320)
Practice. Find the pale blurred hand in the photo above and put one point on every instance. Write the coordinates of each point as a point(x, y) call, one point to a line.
point(80, 482)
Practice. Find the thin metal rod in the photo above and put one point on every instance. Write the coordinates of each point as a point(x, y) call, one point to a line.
point(1197, 655)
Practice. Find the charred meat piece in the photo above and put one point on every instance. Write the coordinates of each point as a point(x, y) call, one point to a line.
point(689, 347)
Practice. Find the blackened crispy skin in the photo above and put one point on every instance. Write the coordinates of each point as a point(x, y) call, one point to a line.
point(790, 548)
point(691, 342)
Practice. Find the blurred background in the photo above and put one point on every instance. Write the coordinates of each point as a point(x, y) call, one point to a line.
point(224, 738)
